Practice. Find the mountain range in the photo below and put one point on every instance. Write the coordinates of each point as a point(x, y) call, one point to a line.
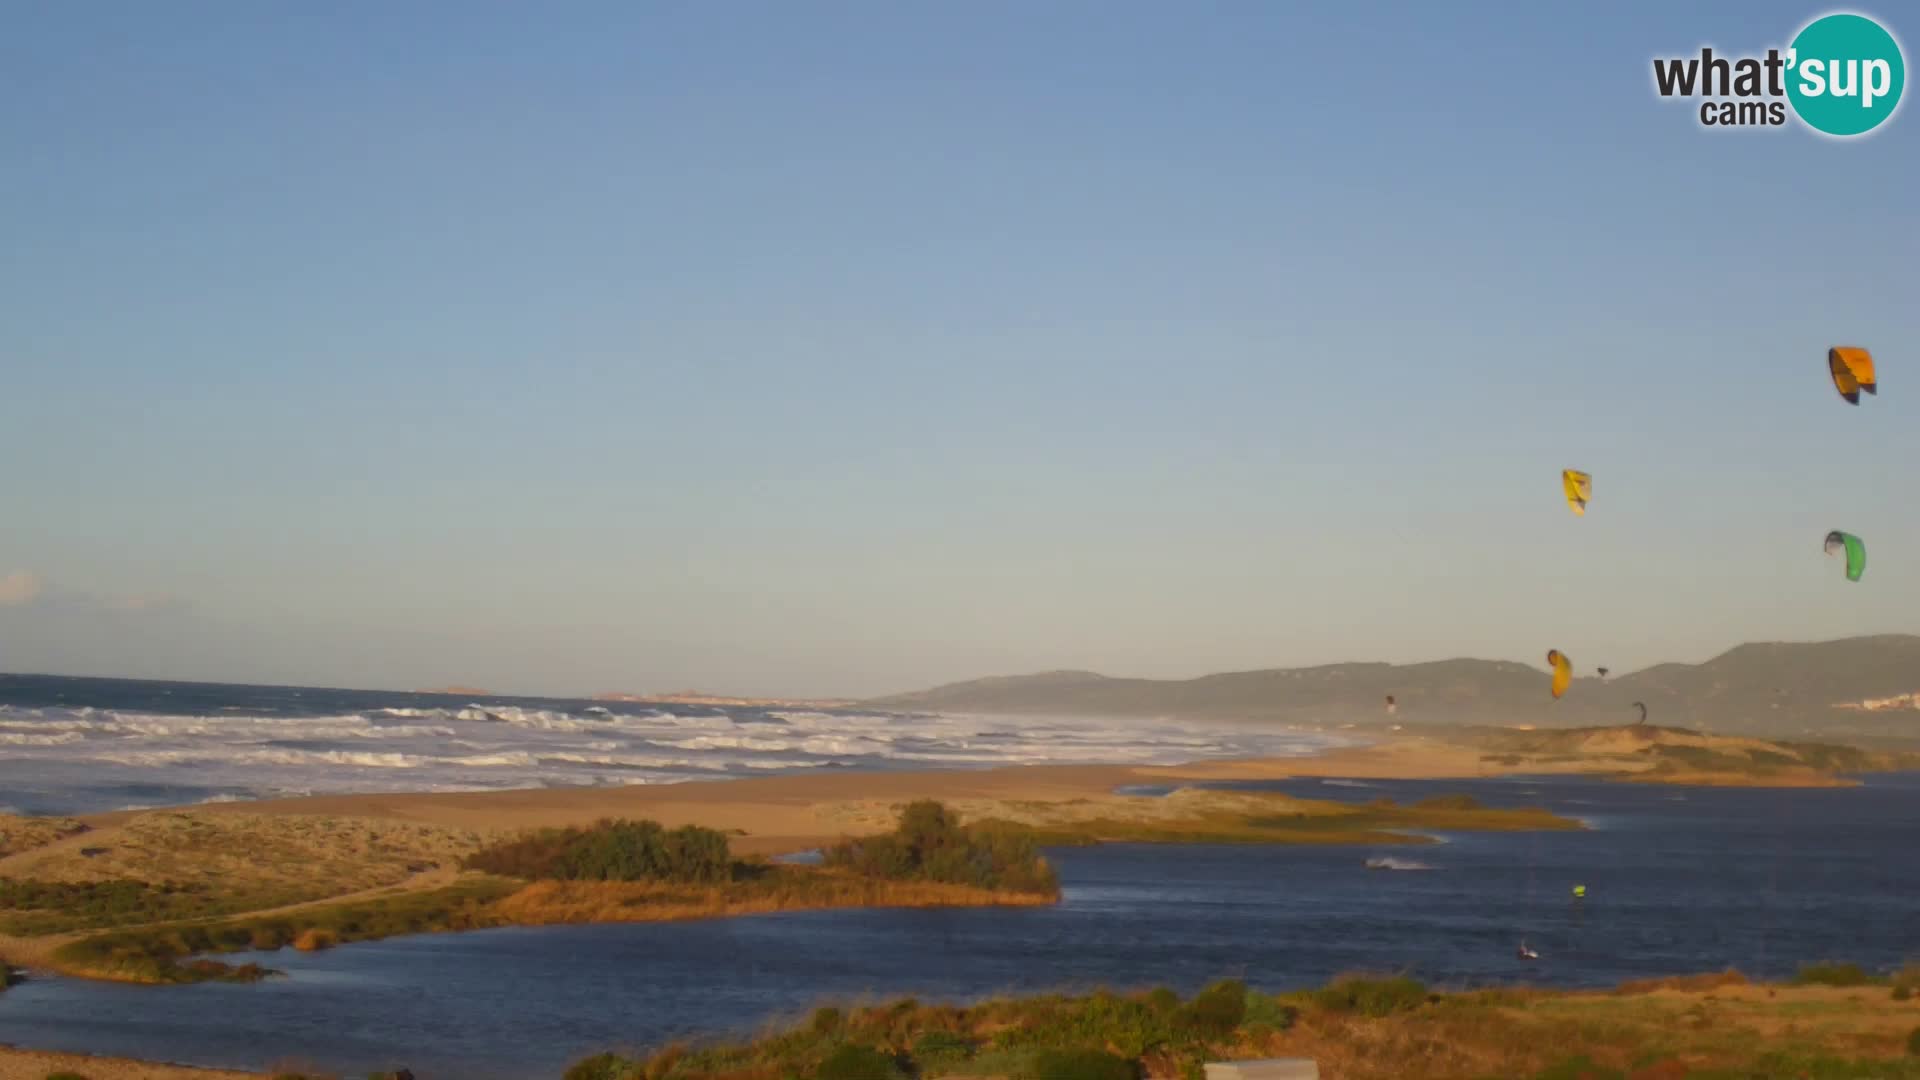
point(1860, 686)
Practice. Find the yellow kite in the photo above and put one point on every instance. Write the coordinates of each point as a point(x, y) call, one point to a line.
point(1852, 369)
point(1562, 670)
point(1579, 488)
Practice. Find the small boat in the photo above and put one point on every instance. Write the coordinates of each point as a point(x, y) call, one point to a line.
point(1526, 953)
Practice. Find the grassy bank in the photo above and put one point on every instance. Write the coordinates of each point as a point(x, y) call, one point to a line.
point(168, 866)
point(1648, 753)
point(161, 954)
point(1197, 815)
point(1357, 1028)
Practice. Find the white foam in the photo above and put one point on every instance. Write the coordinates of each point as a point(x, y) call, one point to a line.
point(479, 746)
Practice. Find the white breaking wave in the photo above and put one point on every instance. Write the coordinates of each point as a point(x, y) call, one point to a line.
point(221, 752)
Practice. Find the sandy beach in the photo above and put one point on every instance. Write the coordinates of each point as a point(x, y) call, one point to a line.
point(780, 814)
point(795, 812)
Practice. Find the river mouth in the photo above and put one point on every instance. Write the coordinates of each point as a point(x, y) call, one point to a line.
point(1726, 878)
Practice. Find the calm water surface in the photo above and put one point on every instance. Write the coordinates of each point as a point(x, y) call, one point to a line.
point(1678, 879)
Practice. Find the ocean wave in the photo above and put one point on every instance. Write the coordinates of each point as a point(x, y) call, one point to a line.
point(64, 738)
point(367, 744)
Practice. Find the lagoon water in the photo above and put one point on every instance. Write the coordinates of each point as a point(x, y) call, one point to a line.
point(1678, 880)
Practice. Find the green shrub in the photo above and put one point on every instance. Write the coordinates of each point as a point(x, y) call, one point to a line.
point(1017, 1064)
point(1214, 1013)
point(929, 844)
point(1913, 1042)
point(600, 1067)
point(1082, 1065)
point(1832, 975)
point(612, 850)
point(940, 1048)
point(1371, 997)
point(1163, 1000)
point(851, 1062)
point(1902, 992)
point(1579, 1068)
point(1268, 1011)
point(826, 1020)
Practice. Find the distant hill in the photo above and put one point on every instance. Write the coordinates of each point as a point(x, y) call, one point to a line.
point(1856, 686)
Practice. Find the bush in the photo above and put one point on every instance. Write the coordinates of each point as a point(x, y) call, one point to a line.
point(1082, 1065)
point(1267, 1011)
point(612, 850)
point(1371, 997)
point(827, 1020)
point(1832, 975)
point(1902, 992)
point(1579, 1068)
point(929, 844)
point(941, 1047)
point(851, 1062)
point(1913, 1042)
point(1214, 1013)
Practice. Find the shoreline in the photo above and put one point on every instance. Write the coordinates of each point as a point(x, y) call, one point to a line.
point(392, 850)
point(794, 812)
point(309, 856)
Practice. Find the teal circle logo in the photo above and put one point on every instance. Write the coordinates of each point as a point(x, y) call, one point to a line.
point(1845, 74)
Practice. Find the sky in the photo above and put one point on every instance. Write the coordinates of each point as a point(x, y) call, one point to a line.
point(852, 347)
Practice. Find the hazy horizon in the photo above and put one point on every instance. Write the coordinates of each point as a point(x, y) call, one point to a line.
point(851, 351)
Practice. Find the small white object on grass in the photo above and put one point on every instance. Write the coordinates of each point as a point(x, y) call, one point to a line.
point(1265, 1069)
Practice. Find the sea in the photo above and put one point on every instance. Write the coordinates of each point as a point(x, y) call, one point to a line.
point(77, 745)
point(1677, 880)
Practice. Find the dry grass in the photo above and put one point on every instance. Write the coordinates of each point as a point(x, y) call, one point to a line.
point(1693, 984)
point(1204, 815)
point(792, 889)
point(234, 862)
point(20, 834)
point(1732, 1030)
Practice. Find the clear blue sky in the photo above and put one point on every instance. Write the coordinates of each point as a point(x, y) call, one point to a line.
point(849, 347)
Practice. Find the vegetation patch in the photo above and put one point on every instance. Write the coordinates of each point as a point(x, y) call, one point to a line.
point(1833, 974)
point(30, 908)
point(18, 834)
point(160, 954)
point(930, 845)
point(1358, 1028)
point(611, 850)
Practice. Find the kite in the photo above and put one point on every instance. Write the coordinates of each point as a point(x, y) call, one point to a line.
point(1602, 671)
point(1579, 488)
point(1562, 670)
point(1838, 541)
point(1852, 370)
point(1643, 710)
